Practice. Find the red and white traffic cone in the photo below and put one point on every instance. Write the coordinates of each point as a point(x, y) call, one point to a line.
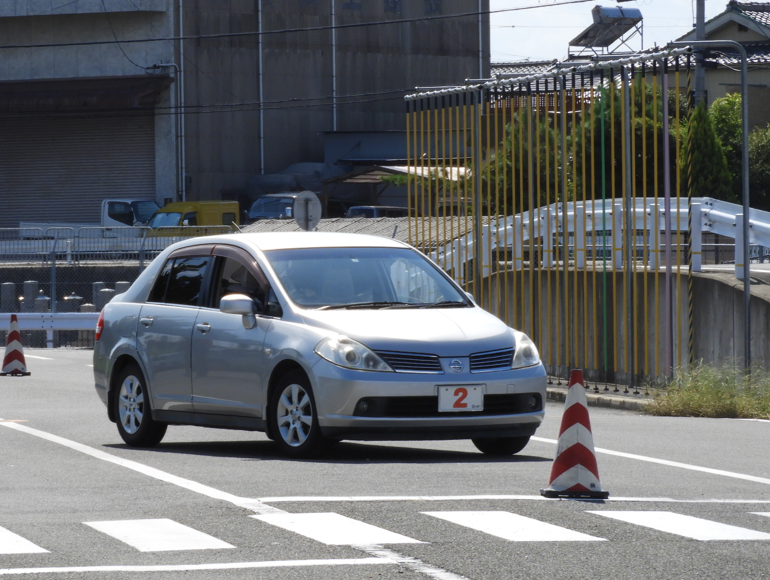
point(574, 472)
point(13, 363)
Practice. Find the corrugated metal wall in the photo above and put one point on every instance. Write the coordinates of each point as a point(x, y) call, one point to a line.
point(60, 168)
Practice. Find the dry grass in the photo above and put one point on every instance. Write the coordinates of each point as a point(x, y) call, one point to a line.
point(705, 391)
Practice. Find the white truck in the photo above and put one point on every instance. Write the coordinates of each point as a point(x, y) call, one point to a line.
point(115, 213)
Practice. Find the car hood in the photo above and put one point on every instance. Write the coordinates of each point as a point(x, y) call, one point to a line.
point(444, 332)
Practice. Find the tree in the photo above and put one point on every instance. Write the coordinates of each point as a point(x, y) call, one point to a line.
point(704, 162)
point(725, 115)
point(759, 168)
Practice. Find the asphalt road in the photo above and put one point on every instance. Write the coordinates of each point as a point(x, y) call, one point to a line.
point(690, 498)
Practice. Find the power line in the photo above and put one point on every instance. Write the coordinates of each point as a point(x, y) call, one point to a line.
point(297, 30)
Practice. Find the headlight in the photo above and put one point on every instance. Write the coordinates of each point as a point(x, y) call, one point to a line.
point(526, 353)
point(346, 352)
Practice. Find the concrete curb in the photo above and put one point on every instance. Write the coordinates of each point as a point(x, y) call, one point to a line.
point(628, 402)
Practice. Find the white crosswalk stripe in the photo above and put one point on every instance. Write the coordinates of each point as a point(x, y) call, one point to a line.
point(11, 543)
point(687, 526)
point(161, 535)
point(513, 527)
point(335, 529)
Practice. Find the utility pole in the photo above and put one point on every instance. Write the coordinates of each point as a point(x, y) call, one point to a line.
point(700, 35)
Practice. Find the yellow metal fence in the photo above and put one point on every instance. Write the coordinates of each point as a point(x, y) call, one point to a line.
point(557, 201)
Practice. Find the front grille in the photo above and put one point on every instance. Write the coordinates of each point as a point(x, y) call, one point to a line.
point(411, 362)
point(496, 360)
point(428, 406)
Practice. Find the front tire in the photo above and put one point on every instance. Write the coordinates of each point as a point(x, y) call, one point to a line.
point(294, 417)
point(501, 445)
point(132, 410)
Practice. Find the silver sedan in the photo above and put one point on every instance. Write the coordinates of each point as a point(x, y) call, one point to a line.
point(313, 337)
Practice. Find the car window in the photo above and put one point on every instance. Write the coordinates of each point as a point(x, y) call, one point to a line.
point(181, 281)
point(143, 210)
point(121, 211)
point(323, 277)
point(164, 219)
point(235, 278)
point(191, 218)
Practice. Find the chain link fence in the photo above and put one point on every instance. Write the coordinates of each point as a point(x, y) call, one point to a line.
point(60, 270)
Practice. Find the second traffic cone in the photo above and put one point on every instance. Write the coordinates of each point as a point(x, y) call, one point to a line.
point(13, 362)
point(574, 472)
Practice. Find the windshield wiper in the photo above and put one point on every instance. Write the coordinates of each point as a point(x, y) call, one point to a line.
point(356, 305)
point(447, 304)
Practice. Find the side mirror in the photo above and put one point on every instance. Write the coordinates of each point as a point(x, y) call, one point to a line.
point(242, 305)
point(469, 295)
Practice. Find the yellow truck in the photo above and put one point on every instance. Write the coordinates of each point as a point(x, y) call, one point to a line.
point(201, 215)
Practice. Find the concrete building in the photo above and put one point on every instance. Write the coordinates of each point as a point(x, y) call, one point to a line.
point(166, 99)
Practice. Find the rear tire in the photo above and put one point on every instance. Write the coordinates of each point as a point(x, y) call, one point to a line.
point(294, 417)
point(132, 410)
point(501, 446)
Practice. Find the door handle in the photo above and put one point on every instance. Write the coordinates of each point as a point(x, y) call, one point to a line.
point(204, 328)
point(146, 320)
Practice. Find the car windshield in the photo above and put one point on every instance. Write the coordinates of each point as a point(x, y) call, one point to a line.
point(377, 278)
point(272, 207)
point(165, 219)
point(143, 210)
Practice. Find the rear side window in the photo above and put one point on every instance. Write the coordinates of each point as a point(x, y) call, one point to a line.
point(181, 281)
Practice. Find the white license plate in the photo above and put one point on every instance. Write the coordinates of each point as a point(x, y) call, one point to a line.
point(458, 398)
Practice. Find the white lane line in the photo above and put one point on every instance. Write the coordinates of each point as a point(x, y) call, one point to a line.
point(687, 526)
point(158, 535)
point(247, 503)
point(334, 529)
point(11, 543)
point(428, 498)
point(37, 357)
point(412, 563)
point(513, 527)
point(766, 514)
point(200, 567)
point(671, 463)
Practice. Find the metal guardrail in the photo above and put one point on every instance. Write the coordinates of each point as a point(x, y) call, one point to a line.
point(72, 245)
point(53, 322)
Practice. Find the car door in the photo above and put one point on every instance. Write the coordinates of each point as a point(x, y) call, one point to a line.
point(166, 325)
point(227, 359)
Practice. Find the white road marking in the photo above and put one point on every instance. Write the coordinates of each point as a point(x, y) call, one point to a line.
point(334, 529)
point(766, 514)
point(413, 564)
point(247, 503)
point(200, 567)
point(426, 498)
point(671, 463)
point(11, 543)
point(159, 535)
point(513, 527)
point(37, 357)
point(687, 526)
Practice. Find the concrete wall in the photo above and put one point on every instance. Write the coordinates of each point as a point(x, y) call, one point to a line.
point(579, 340)
point(375, 67)
point(46, 22)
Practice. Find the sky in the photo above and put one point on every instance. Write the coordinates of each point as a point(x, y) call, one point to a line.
point(544, 32)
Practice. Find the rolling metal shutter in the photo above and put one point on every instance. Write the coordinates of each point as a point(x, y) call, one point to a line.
point(57, 168)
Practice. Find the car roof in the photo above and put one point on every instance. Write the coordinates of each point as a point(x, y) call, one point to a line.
point(266, 241)
point(287, 194)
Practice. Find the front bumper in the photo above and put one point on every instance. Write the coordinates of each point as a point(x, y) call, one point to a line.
point(406, 404)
